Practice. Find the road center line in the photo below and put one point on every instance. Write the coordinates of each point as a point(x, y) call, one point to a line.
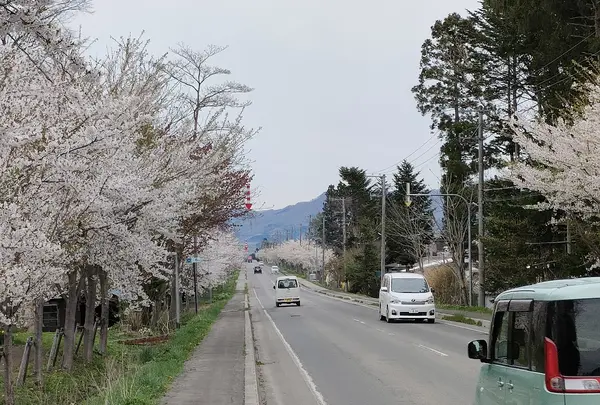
point(307, 378)
point(433, 350)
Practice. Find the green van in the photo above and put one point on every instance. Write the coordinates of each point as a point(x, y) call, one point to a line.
point(544, 346)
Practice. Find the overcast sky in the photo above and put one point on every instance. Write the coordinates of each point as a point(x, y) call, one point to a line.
point(332, 79)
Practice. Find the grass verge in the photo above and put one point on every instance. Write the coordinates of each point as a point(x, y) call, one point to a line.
point(462, 319)
point(481, 310)
point(158, 366)
point(129, 375)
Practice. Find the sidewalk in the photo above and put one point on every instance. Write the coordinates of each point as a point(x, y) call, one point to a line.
point(484, 318)
point(214, 375)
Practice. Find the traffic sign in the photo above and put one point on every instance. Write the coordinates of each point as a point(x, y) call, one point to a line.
point(191, 260)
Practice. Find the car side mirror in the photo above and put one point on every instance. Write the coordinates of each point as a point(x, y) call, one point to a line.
point(432, 290)
point(477, 349)
point(273, 287)
point(384, 289)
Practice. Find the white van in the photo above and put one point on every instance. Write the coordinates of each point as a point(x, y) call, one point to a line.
point(287, 290)
point(406, 296)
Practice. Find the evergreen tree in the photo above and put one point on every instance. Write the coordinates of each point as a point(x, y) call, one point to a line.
point(411, 228)
point(333, 221)
point(524, 245)
point(362, 275)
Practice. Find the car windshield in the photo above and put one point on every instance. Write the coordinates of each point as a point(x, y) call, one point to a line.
point(409, 285)
point(288, 283)
point(576, 331)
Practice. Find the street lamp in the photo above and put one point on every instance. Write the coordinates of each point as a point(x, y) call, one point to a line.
point(408, 202)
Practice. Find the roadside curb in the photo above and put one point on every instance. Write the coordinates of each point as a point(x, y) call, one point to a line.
point(250, 374)
point(484, 323)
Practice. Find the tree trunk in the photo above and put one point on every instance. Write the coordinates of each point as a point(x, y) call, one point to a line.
point(90, 315)
point(38, 359)
point(9, 394)
point(104, 309)
point(172, 306)
point(70, 320)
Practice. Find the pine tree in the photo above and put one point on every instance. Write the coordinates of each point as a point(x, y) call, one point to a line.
point(411, 228)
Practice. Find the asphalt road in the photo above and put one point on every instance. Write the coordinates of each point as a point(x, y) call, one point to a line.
point(336, 353)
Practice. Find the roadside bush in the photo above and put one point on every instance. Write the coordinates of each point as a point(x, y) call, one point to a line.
point(445, 283)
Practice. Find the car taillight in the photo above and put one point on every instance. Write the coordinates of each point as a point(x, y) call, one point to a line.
point(555, 382)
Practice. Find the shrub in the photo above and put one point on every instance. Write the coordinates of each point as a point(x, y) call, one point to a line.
point(447, 287)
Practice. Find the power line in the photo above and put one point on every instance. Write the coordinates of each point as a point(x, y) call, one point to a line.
point(406, 158)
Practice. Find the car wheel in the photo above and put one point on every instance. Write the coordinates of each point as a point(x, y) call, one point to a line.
point(298, 303)
point(387, 315)
point(277, 304)
point(419, 320)
point(381, 317)
point(431, 320)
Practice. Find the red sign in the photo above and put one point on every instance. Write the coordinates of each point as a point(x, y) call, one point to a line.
point(248, 203)
point(246, 247)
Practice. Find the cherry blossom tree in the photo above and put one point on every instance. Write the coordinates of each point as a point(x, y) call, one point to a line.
point(563, 165)
point(105, 170)
point(563, 161)
point(298, 254)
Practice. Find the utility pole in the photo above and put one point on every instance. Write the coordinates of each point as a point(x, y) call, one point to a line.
point(480, 265)
point(195, 270)
point(344, 241)
point(323, 250)
point(300, 229)
point(177, 294)
point(383, 198)
point(343, 200)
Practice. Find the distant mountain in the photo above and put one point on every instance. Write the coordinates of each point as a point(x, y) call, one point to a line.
point(269, 223)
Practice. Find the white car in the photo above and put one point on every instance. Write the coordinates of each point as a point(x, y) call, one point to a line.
point(287, 290)
point(406, 296)
point(274, 270)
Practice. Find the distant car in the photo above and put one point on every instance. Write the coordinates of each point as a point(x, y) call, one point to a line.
point(261, 263)
point(274, 270)
point(257, 269)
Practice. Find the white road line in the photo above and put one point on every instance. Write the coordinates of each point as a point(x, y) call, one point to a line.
point(307, 378)
point(433, 350)
point(391, 334)
point(380, 330)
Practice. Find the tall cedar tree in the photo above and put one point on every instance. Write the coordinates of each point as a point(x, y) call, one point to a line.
point(451, 90)
point(533, 55)
point(420, 211)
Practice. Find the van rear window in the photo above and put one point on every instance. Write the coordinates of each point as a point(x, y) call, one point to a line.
point(288, 283)
point(575, 328)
